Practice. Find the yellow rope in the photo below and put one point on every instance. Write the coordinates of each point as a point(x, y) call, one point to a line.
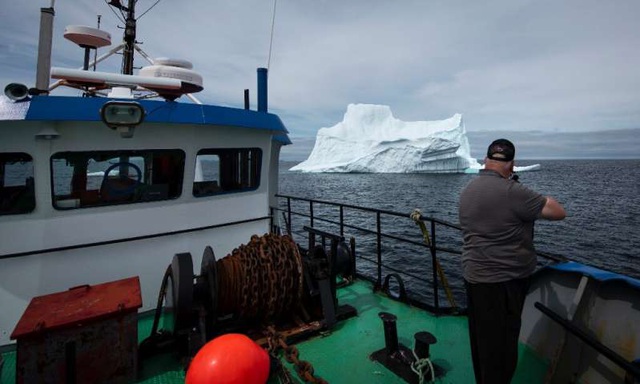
point(415, 216)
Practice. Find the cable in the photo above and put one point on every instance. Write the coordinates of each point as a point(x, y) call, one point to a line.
point(273, 23)
point(145, 12)
point(114, 12)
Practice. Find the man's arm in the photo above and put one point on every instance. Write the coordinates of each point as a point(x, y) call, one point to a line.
point(552, 210)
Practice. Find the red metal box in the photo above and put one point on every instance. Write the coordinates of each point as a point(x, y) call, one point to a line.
point(88, 334)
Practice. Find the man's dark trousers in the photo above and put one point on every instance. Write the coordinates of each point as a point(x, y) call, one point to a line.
point(494, 312)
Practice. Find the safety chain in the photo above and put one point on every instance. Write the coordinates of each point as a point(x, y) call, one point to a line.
point(304, 369)
point(282, 372)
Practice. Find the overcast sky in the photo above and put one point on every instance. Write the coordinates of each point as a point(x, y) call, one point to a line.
point(510, 65)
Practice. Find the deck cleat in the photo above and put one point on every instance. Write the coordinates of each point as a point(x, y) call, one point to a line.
point(413, 366)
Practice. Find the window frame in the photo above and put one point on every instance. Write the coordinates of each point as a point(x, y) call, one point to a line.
point(152, 181)
point(243, 172)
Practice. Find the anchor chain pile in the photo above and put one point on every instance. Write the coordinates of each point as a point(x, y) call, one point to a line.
point(262, 279)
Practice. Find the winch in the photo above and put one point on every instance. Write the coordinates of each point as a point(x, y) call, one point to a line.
point(268, 282)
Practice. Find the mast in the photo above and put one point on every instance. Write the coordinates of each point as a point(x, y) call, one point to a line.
point(129, 34)
point(129, 39)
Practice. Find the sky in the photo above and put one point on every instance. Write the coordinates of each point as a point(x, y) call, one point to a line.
point(547, 68)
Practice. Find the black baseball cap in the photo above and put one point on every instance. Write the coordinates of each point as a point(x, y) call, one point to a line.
point(501, 150)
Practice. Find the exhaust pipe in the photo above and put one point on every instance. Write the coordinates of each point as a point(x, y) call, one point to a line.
point(44, 49)
point(262, 90)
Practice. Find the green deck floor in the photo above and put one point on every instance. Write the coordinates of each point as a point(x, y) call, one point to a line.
point(342, 356)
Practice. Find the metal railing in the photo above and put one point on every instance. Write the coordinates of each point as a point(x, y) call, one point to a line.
point(312, 218)
point(315, 212)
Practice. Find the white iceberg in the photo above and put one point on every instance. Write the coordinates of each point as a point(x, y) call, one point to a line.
point(370, 140)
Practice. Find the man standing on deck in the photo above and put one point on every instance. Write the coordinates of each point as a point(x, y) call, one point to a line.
point(497, 215)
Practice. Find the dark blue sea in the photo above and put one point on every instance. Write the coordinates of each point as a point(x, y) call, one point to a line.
point(601, 197)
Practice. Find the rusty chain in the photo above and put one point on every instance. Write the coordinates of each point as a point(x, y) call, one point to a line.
point(262, 279)
point(303, 368)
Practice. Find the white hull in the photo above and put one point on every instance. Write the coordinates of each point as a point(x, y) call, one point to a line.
point(602, 305)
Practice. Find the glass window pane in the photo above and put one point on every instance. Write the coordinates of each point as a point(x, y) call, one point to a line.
point(17, 193)
point(227, 170)
point(89, 179)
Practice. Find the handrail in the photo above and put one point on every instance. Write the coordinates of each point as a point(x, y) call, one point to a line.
point(433, 247)
point(132, 238)
point(590, 340)
point(379, 236)
point(369, 209)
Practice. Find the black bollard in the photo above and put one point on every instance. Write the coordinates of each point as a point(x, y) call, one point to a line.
point(423, 341)
point(390, 332)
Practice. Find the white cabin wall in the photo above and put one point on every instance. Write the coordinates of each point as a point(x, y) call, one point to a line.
point(24, 277)
point(274, 175)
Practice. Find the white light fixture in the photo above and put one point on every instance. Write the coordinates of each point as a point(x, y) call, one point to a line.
point(122, 116)
point(47, 133)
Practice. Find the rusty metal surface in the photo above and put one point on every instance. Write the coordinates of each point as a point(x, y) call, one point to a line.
point(104, 352)
point(88, 334)
point(79, 305)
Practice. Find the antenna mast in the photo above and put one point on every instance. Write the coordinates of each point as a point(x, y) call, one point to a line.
point(129, 34)
point(129, 39)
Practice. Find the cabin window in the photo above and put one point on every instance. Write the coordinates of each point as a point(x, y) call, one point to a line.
point(227, 170)
point(17, 194)
point(98, 178)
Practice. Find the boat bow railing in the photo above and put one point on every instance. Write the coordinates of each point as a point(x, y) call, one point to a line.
point(389, 244)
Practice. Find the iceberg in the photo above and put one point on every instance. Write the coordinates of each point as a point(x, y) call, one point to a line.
point(370, 140)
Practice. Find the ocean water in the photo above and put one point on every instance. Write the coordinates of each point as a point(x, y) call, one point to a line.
point(601, 197)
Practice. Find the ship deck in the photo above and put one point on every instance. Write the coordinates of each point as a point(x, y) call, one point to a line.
point(342, 355)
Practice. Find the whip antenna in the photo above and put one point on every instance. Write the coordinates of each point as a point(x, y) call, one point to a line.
point(273, 22)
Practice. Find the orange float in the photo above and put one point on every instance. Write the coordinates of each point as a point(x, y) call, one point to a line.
point(232, 358)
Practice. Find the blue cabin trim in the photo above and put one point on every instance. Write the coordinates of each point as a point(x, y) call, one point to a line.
point(64, 108)
point(595, 273)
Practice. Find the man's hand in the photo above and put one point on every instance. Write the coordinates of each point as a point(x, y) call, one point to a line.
point(553, 210)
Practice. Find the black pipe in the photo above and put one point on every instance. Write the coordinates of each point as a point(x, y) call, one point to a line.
point(591, 341)
point(434, 267)
point(246, 99)
point(87, 52)
point(379, 249)
point(390, 332)
point(289, 214)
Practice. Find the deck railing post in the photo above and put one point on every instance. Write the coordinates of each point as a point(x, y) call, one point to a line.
point(434, 264)
point(341, 221)
point(379, 248)
point(352, 245)
point(272, 223)
point(311, 213)
point(289, 215)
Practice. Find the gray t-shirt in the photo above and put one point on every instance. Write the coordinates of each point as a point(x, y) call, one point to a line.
point(497, 217)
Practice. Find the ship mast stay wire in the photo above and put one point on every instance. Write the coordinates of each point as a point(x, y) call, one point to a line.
point(273, 22)
point(121, 18)
point(145, 12)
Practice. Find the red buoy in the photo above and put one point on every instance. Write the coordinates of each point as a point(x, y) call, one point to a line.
point(229, 359)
